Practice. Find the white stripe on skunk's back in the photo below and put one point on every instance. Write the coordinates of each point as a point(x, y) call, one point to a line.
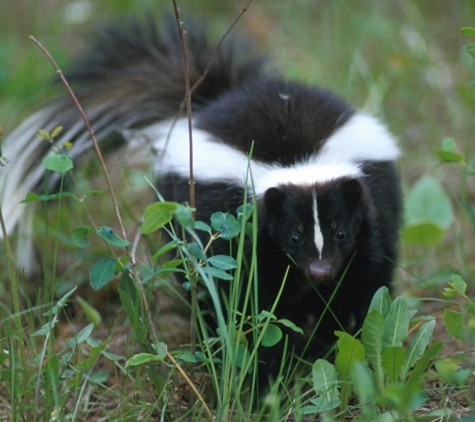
point(362, 138)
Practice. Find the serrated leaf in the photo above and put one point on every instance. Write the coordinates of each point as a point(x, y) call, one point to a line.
point(79, 236)
point(223, 262)
point(393, 360)
point(142, 358)
point(397, 324)
point(60, 163)
point(226, 224)
point(157, 215)
point(102, 273)
point(107, 233)
point(350, 350)
point(363, 384)
point(381, 301)
point(372, 337)
point(418, 344)
point(272, 335)
point(90, 312)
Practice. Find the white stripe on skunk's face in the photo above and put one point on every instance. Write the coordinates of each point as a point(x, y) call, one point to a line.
point(361, 138)
point(318, 235)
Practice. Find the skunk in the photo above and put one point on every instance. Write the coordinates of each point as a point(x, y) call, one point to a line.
point(323, 174)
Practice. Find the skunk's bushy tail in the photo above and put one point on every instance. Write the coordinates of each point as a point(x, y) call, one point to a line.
point(131, 76)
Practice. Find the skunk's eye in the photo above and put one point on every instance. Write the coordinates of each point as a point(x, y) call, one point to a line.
point(341, 234)
point(295, 238)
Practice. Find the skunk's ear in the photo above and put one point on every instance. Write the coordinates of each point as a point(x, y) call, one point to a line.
point(273, 199)
point(352, 190)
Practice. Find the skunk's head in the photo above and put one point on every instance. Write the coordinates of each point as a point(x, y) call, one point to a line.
point(316, 225)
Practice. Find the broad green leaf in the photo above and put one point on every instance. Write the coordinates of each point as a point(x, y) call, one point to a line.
point(265, 314)
point(363, 384)
point(458, 287)
point(161, 349)
point(243, 357)
point(459, 325)
point(290, 325)
point(448, 144)
point(468, 30)
point(102, 273)
point(107, 233)
point(449, 156)
point(184, 216)
point(325, 381)
point(372, 337)
point(417, 346)
point(381, 301)
point(60, 163)
point(90, 312)
point(325, 384)
point(423, 363)
point(196, 251)
point(423, 233)
point(130, 302)
point(157, 215)
point(79, 236)
point(84, 334)
point(165, 248)
point(200, 225)
point(223, 262)
point(241, 210)
point(142, 358)
point(397, 324)
point(272, 335)
point(450, 372)
point(393, 360)
point(226, 224)
point(185, 356)
point(32, 197)
point(350, 351)
point(56, 131)
point(217, 273)
point(428, 212)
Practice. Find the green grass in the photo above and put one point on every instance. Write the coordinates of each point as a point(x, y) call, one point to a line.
point(402, 61)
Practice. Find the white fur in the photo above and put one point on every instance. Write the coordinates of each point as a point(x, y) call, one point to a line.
point(361, 138)
point(318, 235)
